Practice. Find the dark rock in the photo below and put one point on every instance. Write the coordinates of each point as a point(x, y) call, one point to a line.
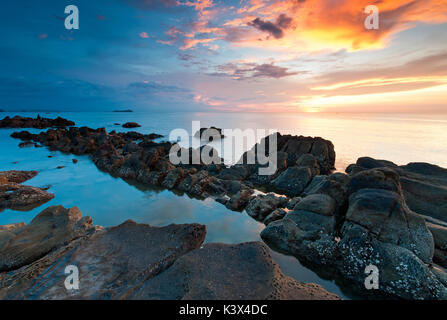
point(293, 180)
point(131, 125)
point(278, 214)
point(38, 123)
point(15, 196)
point(52, 228)
point(262, 205)
point(209, 134)
point(240, 200)
point(424, 185)
point(203, 274)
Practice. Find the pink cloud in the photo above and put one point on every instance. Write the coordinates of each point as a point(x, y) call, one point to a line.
point(144, 35)
point(42, 36)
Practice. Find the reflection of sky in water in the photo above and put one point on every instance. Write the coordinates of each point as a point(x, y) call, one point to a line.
point(111, 201)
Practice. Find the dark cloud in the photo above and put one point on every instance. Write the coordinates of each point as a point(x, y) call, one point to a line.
point(276, 29)
point(241, 71)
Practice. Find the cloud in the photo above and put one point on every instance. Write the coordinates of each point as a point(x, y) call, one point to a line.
point(246, 70)
point(143, 35)
point(275, 29)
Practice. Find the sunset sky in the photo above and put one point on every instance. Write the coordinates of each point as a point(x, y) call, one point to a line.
point(210, 55)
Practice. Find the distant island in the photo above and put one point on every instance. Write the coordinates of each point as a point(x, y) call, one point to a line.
point(127, 110)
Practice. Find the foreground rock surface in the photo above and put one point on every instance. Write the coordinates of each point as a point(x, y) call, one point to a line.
point(37, 123)
point(14, 195)
point(136, 261)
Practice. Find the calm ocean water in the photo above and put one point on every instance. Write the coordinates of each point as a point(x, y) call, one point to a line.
point(110, 201)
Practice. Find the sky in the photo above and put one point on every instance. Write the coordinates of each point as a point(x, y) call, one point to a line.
point(224, 55)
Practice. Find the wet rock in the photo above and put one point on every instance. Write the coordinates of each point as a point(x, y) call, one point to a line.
point(131, 125)
point(262, 205)
point(15, 196)
point(203, 274)
point(49, 230)
point(38, 123)
point(17, 176)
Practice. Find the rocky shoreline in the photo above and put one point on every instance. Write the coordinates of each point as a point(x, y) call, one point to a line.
point(38, 123)
point(392, 217)
point(136, 261)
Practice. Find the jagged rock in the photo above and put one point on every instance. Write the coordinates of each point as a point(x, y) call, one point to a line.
point(378, 229)
point(262, 205)
point(424, 185)
point(52, 228)
point(293, 202)
point(240, 200)
point(16, 176)
point(137, 261)
point(38, 123)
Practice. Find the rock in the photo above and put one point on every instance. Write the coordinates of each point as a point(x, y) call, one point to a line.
point(240, 200)
point(38, 123)
point(60, 167)
point(424, 185)
point(317, 203)
point(377, 229)
point(52, 228)
point(15, 196)
point(293, 202)
point(203, 274)
point(74, 161)
point(277, 214)
point(209, 134)
point(17, 176)
point(173, 178)
point(262, 205)
point(131, 125)
point(136, 261)
point(27, 144)
point(439, 235)
point(293, 180)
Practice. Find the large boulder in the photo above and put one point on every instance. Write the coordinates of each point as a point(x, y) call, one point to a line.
point(424, 185)
point(52, 228)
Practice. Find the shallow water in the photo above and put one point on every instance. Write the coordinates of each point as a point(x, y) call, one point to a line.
point(111, 201)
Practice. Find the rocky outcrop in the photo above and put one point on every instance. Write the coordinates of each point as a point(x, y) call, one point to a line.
point(136, 261)
point(131, 125)
point(376, 228)
point(38, 123)
point(424, 185)
point(209, 134)
point(14, 195)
